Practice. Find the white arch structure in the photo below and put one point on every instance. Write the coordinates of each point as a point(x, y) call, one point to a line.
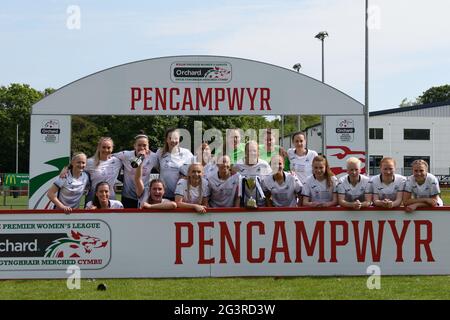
point(181, 85)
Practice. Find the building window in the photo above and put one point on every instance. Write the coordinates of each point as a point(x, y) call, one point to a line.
point(374, 165)
point(407, 163)
point(376, 133)
point(416, 134)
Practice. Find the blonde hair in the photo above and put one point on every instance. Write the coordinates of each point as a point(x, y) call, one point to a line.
point(75, 156)
point(200, 198)
point(99, 147)
point(420, 162)
point(354, 160)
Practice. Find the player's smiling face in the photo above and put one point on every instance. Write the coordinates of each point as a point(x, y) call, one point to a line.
point(157, 192)
point(106, 148)
point(353, 170)
point(173, 139)
point(196, 173)
point(319, 169)
point(141, 146)
point(388, 169)
point(300, 142)
point(103, 194)
point(420, 173)
point(224, 165)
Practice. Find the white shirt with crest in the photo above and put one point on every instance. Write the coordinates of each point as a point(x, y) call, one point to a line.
point(318, 191)
point(285, 194)
point(354, 192)
point(222, 192)
point(428, 189)
point(193, 194)
point(387, 190)
point(302, 165)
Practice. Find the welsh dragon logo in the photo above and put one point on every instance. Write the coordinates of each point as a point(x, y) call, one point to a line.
point(73, 246)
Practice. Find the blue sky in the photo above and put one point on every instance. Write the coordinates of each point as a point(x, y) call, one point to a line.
point(409, 46)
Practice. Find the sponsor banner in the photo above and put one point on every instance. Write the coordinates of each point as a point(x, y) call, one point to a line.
point(50, 131)
point(49, 153)
point(16, 179)
point(200, 71)
point(345, 138)
point(40, 245)
point(220, 244)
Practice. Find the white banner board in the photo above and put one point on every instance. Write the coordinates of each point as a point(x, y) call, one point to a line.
point(219, 244)
point(345, 138)
point(50, 137)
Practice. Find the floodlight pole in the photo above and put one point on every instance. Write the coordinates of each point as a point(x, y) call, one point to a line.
point(366, 89)
point(321, 36)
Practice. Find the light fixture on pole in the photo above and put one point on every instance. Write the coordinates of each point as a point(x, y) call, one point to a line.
point(321, 36)
point(297, 68)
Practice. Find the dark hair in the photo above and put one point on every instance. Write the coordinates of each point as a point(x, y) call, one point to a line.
point(298, 133)
point(166, 134)
point(150, 200)
point(140, 135)
point(96, 201)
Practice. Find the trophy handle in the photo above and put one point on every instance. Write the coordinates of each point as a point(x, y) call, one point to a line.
point(244, 180)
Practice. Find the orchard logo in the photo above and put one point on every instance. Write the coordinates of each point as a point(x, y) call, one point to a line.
point(202, 71)
point(75, 245)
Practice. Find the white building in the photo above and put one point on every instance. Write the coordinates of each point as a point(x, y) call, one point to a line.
point(409, 133)
point(406, 134)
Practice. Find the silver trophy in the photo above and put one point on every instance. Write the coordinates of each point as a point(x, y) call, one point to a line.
point(250, 185)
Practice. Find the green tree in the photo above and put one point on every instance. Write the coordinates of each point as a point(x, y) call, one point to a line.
point(15, 108)
point(435, 94)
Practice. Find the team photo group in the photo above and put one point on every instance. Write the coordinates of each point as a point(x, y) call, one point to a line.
point(247, 175)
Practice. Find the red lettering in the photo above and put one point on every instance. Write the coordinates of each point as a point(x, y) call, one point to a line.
point(135, 96)
point(368, 233)
point(300, 232)
point(219, 97)
point(187, 99)
point(202, 243)
point(205, 100)
point(334, 242)
point(425, 242)
point(225, 236)
point(160, 99)
point(279, 229)
point(147, 97)
point(178, 242)
point(235, 97)
point(250, 257)
point(176, 105)
point(399, 239)
point(252, 97)
point(265, 97)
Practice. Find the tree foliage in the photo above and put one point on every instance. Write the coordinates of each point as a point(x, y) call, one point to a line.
point(435, 94)
point(432, 95)
point(15, 108)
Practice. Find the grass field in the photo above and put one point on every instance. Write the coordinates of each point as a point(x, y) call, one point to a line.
point(269, 288)
point(250, 288)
